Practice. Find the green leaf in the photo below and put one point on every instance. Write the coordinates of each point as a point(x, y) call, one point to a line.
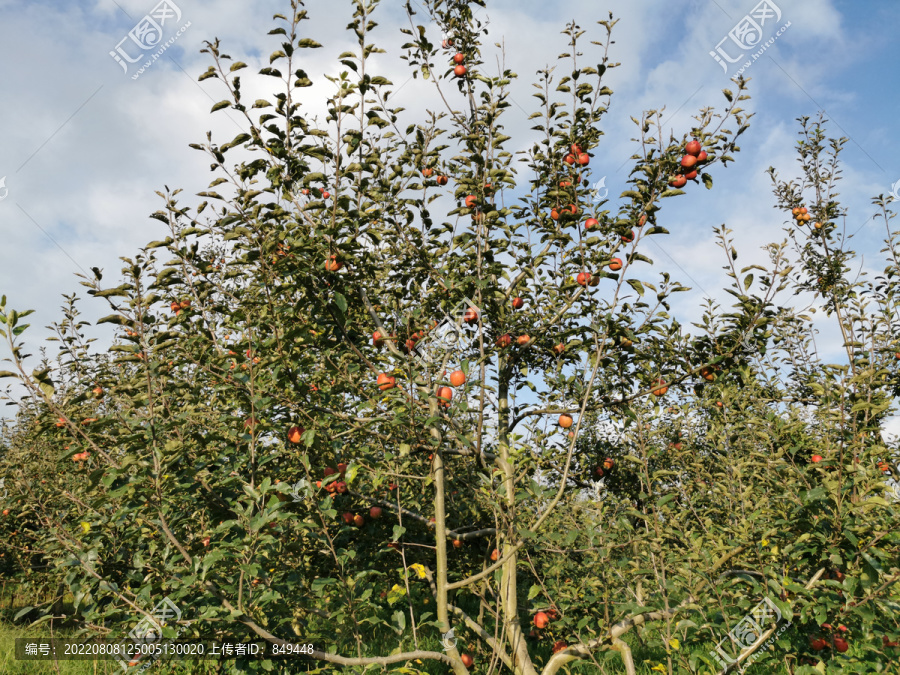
point(308, 43)
point(534, 591)
point(237, 66)
point(341, 302)
point(220, 105)
point(7, 373)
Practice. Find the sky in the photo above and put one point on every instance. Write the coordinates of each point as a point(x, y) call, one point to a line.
point(86, 142)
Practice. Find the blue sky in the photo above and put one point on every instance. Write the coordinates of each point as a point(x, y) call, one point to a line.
point(84, 146)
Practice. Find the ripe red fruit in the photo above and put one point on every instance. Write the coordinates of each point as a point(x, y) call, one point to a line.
point(678, 181)
point(495, 555)
point(305, 191)
point(457, 378)
point(583, 279)
point(459, 57)
point(554, 214)
point(446, 43)
point(615, 264)
point(377, 338)
point(693, 147)
point(609, 463)
point(341, 487)
point(660, 389)
point(559, 348)
point(467, 660)
point(691, 176)
point(386, 382)
point(342, 468)
point(445, 393)
point(294, 434)
point(569, 159)
point(816, 458)
point(329, 471)
point(457, 543)
point(702, 157)
point(688, 161)
point(459, 71)
point(643, 220)
point(325, 194)
point(427, 172)
point(889, 643)
point(841, 645)
point(575, 149)
point(628, 237)
point(504, 340)
point(471, 200)
point(471, 316)
point(565, 183)
point(441, 180)
point(358, 520)
point(817, 644)
point(518, 303)
point(541, 620)
point(375, 512)
point(559, 645)
point(348, 518)
point(332, 264)
point(584, 159)
point(565, 421)
point(523, 340)
point(591, 223)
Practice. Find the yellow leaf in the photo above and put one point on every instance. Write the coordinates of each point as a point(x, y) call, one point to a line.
point(418, 569)
point(659, 667)
point(675, 643)
point(765, 542)
point(86, 527)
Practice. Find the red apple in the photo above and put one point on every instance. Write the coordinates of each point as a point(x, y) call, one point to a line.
point(523, 340)
point(559, 645)
point(693, 147)
point(342, 468)
point(459, 57)
point(615, 264)
point(559, 348)
point(471, 200)
point(817, 644)
point(329, 471)
point(471, 316)
point(427, 172)
point(504, 340)
point(375, 512)
point(445, 393)
point(459, 71)
point(816, 458)
point(841, 645)
point(591, 223)
point(702, 157)
point(467, 660)
point(518, 303)
point(569, 159)
point(678, 181)
point(584, 159)
point(628, 237)
point(348, 518)
point(377, 338)
point(457, 378)
point(565, 421)
point(495, 555)
point(386, 382)
point(441, 180)
point(294, 434)
point(332, 264)
point(358, 520)
point(583, 279)
point(541, 620)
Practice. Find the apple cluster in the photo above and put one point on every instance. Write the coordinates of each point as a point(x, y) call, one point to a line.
point(694, 157)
